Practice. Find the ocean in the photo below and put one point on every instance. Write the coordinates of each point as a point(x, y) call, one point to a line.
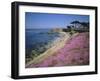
point(38, 40)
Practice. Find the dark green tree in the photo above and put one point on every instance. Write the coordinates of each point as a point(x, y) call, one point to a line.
point(75, 23)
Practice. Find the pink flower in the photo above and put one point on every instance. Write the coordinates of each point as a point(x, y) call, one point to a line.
point(74, 52)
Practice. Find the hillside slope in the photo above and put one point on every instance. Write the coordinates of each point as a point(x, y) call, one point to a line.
point(74, 52)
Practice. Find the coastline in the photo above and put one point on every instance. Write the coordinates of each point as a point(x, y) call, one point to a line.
point(56, 45)
point(69, 51)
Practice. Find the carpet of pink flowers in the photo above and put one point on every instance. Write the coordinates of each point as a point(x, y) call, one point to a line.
point(75, 52)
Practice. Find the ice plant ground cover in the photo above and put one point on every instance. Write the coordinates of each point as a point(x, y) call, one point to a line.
point(74, 52)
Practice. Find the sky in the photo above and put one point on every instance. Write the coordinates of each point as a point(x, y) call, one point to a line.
point(48, 20)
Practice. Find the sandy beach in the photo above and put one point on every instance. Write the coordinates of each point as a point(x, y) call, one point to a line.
point(56, 45)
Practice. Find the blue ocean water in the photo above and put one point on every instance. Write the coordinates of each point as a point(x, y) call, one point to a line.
point(36, 39)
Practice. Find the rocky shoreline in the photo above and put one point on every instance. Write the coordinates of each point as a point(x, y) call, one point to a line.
point(53, 45)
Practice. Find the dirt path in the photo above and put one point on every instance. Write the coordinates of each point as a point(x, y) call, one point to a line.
point(58, 44)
